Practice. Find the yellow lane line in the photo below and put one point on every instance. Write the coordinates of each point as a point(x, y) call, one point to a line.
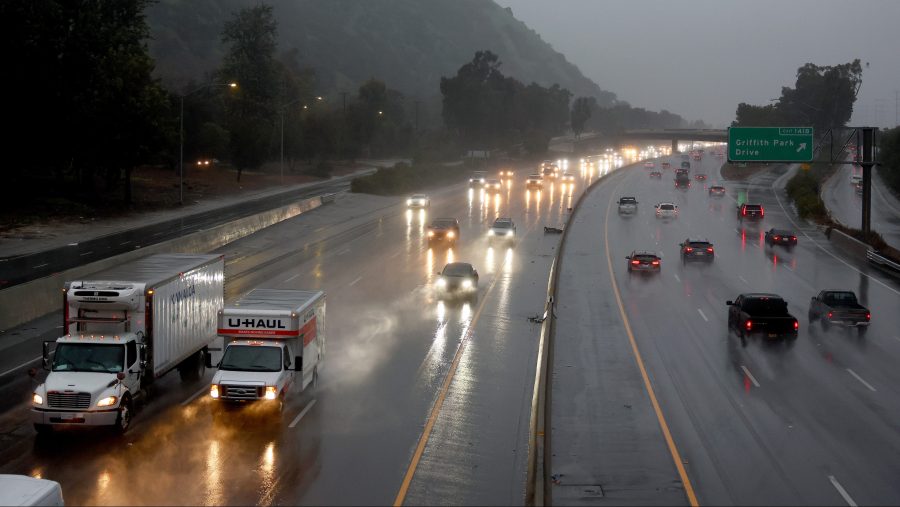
point(433, 415)
point(673, 450)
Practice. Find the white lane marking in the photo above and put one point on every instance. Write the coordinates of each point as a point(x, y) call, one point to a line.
point(344, 251)
point(72, 244)
point(26, 363)
point(749, 375)
point(291, 278)
point(840, 489)
point(86, 253)
point(861, 380)
point(123, 243)
point(788, 215)
point(743, 280)
point(786, 266)
point(354, 282)
point(194, 396)
point(676, 276)
point(702, 314)
point(40, 265)
point(301, 414)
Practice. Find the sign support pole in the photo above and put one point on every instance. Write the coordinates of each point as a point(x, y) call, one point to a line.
point(867, 160)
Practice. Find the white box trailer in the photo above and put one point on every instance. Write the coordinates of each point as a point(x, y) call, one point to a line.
point(274, 342)
point(125, 327)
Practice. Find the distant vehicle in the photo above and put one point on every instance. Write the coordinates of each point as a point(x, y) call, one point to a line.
point(567, 178)
point(717, 191)
point(855, 179)
point(457, 279)
point(666, 165)
point(858, 188)
point(416, 201)
point(24, 490)
point(656, 174)
point(444, 231)
point(506, 174)
point(493, 185)
point(700, 177)
point(751, 212)
point(685, 156)
point(551, 171)
point(839, 307)
point(649, 164)
point(503, 229)
point(534, 182)
point(682, 178)
point(782, 237)
point(761, 313)
point(478, 178)
point(205, 162)
point(666, 210)
point(641, 260)
point(696, 156)
point(685, 165)
point(545, 164)
point(697, 250)
point(628, 206)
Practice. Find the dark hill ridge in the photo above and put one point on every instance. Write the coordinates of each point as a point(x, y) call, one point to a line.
point(409, 44)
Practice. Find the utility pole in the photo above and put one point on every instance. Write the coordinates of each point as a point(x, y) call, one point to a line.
point(867, 160)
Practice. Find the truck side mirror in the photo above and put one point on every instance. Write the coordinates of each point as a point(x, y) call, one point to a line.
point(298, 363)
point(45, 356)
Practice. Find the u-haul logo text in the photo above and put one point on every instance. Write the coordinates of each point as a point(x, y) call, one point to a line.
point(255, 323)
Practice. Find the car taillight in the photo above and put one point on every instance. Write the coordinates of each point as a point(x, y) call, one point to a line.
point(744, 211)
point(868, 316)
point(793, 238)
point(796, 326)
point(830, 314)
point(688, 249)
point(777, 238)
point(748, 325)
point(635, 262)
point(656, 263)
point(710, 250)
point(762, 212)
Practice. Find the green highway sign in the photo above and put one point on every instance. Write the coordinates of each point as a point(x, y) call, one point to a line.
point(770, 144)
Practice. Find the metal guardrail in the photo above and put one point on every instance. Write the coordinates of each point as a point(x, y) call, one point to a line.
point(874, 258)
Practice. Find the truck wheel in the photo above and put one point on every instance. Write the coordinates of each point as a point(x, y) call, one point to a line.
point(123, 421)
point(193, 368)
point(43, 429)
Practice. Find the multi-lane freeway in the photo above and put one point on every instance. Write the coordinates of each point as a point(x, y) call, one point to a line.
point(419, 400)
point(808, 421)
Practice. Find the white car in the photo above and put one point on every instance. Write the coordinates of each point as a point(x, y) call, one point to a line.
point(418, 201)
point(666, 210)
point(503, 229)
point(25, 490)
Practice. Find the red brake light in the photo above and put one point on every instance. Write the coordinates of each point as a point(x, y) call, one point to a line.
point(830, 314)
point(710, 250)
point(762, 212)
point(656, 263)
point(868, 316)
point(688, 249)
point(796, 326)
point(744, 211)
point(748, 325)
point(777, 238)
point(793, 238)
point(635, 262)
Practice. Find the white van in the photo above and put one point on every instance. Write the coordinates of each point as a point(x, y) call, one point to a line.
point(25, 490)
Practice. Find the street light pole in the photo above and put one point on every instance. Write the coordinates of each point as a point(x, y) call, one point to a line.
point(283, 109)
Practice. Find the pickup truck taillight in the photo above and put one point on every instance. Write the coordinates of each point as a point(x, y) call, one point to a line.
point(868, 316)
point(748, 325)
point(710, 250)
point(830, 314)
point(796, 325)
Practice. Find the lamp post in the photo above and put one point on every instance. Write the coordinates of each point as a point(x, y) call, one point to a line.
point(181, 136)
point(283, 109)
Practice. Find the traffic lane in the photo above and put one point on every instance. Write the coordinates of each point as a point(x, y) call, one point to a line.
point(680, 290)
point(845, 204)
point(23, 268)
point(606, 441)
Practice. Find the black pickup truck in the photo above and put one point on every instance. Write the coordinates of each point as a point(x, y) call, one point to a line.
point(761, 313)
point(839, 307)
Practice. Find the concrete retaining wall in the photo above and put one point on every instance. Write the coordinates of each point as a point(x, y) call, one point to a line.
point(849, 244)
point(28, 301)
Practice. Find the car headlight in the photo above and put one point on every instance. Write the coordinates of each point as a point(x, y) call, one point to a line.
point(37, 399)
point(108, 401)
point(430, 234)
point(214, 391)
point(409, 202)
point(510, 232)
point(491, 232)
point(271, 392)
point(467, 284)
point(451, 234)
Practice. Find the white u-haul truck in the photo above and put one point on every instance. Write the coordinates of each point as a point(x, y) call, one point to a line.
point(126, 327)
point(274, 342)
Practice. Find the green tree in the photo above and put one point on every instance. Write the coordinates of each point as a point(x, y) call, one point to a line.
point(748, 115)
point(251, 39)
point(582, 109)
point(80, 91)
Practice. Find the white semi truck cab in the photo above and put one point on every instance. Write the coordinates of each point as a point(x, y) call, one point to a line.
point(125, 327)
point(274, 342)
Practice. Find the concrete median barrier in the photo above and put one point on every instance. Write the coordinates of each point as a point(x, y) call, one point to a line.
point(28, 301)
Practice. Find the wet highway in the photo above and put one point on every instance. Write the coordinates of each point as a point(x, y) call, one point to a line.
point(419, 400)
point(845, 204)
point(23, 268)
point(811, 421)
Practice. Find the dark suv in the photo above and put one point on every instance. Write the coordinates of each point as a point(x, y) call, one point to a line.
point(751, 211)
point(697, 250)
point(443, 231)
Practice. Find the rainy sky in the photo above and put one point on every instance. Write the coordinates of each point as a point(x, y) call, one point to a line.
point(700, 58)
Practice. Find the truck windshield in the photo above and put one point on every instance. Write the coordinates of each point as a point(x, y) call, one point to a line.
point(251, 358)
point(89, 357)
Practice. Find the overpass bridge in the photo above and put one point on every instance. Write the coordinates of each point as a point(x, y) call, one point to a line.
point(673, 135)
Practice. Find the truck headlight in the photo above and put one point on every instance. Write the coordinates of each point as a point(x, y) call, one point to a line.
point(430, 234)
point(509, 233)
point(441, 282)
point(409, 202)
point(37, 399)
point(214, 391)
point(490, 232)
point(108, 401)
point(467, 284)
point(451, 234)
point(271, 393)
